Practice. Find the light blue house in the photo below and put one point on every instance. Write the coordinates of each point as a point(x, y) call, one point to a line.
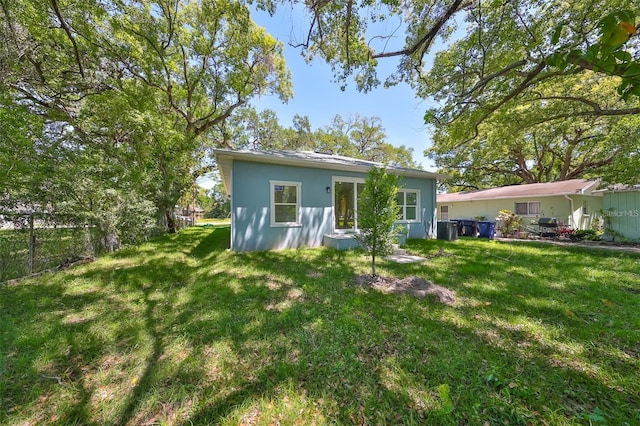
point(621, 211)
point(290, 199)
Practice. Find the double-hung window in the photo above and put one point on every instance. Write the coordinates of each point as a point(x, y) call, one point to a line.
point(530, 208)
point(408, 204)
point(285, 203)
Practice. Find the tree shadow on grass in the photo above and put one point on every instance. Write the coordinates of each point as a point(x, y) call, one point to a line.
point(565, 310)
point(61, 330)
point(216, 241)
point(322, 341)
point(202, 335)
point(282, 333)
point(47, 338)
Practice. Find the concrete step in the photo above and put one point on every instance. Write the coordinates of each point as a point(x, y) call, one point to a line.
point(399, 252)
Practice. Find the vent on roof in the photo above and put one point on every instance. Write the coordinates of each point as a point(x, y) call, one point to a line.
point(320, 151)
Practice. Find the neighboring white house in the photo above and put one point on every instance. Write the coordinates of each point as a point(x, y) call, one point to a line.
point(572, 202)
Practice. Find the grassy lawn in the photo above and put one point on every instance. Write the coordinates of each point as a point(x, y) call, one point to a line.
point(204, 221)
point(182, 331)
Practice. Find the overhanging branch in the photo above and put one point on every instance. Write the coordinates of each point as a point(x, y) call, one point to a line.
point(425, 41)
point(70, 36)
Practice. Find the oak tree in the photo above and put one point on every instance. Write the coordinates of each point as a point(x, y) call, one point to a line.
point(143, 81)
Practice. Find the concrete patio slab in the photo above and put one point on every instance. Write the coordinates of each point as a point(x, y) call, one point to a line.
point(405, 258)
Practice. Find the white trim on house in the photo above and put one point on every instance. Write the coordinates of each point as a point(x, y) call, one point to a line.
point(231, 209)
point(356, 181)
point(272, 186)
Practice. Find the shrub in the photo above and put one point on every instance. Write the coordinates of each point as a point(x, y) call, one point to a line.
point(586, 234)
point(508, 222)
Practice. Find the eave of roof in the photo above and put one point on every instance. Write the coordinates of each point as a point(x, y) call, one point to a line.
point(537, 190)
point(315, 160)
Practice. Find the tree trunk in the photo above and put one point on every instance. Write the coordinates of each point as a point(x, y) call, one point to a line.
point(373, 265)
point(171, 222)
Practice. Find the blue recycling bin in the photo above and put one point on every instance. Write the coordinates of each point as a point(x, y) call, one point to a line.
point(486, 229)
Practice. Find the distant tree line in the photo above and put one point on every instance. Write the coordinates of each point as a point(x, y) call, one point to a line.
point(355, 136)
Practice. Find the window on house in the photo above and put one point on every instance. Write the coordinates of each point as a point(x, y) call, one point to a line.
point(585, 210)
point(444, 212)
point(408, 204)
point(531, 208)
point(285, 203)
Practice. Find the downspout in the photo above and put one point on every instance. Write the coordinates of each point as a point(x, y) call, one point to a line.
point(572, 211)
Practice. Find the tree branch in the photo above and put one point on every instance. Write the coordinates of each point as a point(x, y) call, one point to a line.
point(580, 99)
point(597, 113)
point(67, 30)
point(482, 83)
point(519, 89)
point(425, 41)
point(207, 124)
point(346, 30)
point(582, 63)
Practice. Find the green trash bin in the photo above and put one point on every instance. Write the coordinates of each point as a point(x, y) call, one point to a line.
point(447, 230)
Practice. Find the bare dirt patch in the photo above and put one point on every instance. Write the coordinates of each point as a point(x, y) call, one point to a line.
point(415, 286)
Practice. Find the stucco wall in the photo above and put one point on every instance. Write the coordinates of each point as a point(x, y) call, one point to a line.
point(250, 206)
point(594, 210)
point(555, 206)
point(622, 214)
point(426, 226)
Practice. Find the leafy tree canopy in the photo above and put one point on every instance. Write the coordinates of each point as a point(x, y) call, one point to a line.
point(501, 62)
point(546, 137)
point(141, 84)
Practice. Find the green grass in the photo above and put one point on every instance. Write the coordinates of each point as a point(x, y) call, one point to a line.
point(205, 221)
point(182, 331)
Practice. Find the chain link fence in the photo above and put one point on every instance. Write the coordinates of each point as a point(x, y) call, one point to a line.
point(36, 242)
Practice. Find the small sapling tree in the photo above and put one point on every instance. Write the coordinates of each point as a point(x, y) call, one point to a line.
point(377, 212)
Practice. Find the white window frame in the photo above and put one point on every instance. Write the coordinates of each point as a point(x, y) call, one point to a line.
point(444, 215)
point(528, 203)
point(347, 179)
point(298, 186)
point(404, 207)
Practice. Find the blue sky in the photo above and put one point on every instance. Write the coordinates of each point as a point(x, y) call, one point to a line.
point(316, 96)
